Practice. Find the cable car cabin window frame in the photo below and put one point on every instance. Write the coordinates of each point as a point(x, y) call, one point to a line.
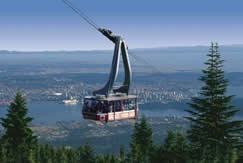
point(97, 106)
point(129, 104)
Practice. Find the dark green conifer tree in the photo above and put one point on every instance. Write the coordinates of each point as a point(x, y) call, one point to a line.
point(170, 141)
point(43, 155)
point(166, 152)
point(36, 153)
point(142, 142)
point(3, 157)
point(181, 148)
point(18, 137)
point(122, 154)
point(86, 154)
point(213, 133)
point(240, 155)
point(61, 155)
point(174, 150)
point(71, 155)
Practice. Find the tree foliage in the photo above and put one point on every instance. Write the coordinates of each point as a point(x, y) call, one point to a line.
point(174, 150)
point(142, 142)
point(18, 139)
point(213, 133)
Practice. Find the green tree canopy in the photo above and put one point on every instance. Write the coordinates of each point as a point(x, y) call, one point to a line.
point(142, 141)
point(18, 138)
point(214, 132)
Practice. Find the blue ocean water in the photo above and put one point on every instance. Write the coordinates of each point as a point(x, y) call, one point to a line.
point(48, 113)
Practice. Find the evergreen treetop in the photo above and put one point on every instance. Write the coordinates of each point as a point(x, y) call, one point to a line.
point(18, 138)
point(213, 130)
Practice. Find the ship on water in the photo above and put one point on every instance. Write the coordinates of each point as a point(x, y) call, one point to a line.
point(71, 101)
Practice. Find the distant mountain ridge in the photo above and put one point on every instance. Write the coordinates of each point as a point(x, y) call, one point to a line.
point(167, 59)
point(107, 51)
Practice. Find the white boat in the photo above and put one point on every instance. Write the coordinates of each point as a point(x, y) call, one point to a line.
point(57, 94)
point(71, 101)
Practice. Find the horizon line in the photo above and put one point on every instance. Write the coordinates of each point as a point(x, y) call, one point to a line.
point(90, 50)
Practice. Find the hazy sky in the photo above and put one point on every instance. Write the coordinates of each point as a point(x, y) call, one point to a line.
point(50, 25)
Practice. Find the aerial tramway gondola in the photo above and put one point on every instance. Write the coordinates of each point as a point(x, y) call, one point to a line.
point(110, 103)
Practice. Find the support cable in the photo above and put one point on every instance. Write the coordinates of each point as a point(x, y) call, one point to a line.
point(94, 25)
point(147, 63)
point(81, 14)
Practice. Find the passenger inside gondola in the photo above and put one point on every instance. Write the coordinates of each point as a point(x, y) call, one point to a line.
point(129, 104)
point(117, 106)
point(96, 106)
